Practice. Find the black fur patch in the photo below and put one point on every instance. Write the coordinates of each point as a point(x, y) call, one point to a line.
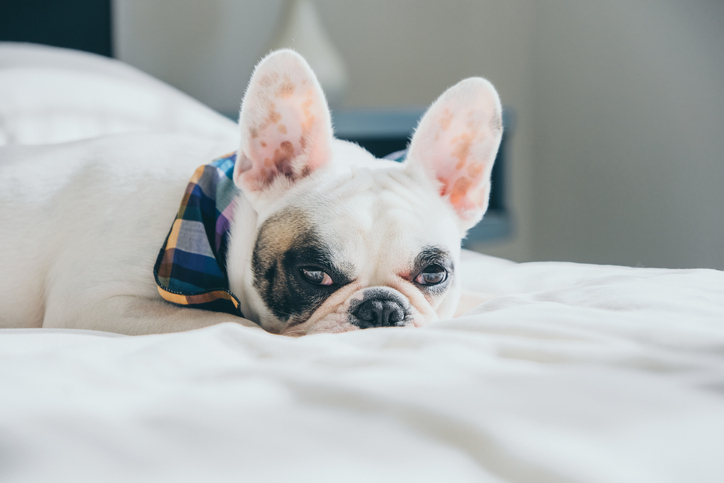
point(432, 255)
point(286, 243)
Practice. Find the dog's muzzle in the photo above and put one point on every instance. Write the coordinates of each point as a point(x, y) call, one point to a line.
point(379, 308)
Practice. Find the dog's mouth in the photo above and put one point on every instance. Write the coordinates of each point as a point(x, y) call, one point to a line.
point(376, 307)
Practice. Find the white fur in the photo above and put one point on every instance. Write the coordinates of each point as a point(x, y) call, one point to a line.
point(82, 223)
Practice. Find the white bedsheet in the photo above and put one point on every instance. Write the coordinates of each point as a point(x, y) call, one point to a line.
point(566, 373)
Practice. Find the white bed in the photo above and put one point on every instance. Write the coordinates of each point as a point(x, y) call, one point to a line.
point(566, 373)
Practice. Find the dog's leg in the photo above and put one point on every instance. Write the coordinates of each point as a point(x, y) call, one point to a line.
point(136, 316)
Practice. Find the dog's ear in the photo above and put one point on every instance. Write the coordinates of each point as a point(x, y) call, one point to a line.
point(455, 145)
point(286, 131)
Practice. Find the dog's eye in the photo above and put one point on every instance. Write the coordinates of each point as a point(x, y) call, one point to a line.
point(432, 275)
point(316, 277)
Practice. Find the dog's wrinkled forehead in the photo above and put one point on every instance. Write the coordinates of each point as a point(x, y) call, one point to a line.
point(380, 206)
point(364, 218)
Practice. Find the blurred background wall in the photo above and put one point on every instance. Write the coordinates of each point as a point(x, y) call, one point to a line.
point(618, 150)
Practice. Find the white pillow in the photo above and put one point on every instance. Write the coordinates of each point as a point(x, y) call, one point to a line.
point(52, 95)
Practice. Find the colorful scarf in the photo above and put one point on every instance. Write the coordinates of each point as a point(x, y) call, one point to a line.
point(191, 267)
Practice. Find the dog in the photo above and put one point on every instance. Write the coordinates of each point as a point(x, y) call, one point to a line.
point(315, 234)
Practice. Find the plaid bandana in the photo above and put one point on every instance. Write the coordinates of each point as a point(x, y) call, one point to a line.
point(191, 267)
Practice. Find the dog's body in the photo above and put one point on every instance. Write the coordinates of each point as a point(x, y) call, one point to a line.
point(325, 238)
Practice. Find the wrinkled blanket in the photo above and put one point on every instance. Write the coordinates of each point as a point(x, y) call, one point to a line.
point(567, 372)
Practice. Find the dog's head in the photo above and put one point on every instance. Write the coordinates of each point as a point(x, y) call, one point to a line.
point(327, 238)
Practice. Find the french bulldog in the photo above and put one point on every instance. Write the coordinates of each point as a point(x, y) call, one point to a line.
point(320, 236)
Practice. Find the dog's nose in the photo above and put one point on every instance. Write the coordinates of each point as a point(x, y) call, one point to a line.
point(379, 313)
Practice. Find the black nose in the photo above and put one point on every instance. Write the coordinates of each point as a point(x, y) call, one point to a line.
point(379, 313)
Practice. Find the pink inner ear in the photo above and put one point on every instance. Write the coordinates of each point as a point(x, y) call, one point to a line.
point(461, 158)
point(281, 137)
point(457, 141)
point(459, 171)
point(285, 123)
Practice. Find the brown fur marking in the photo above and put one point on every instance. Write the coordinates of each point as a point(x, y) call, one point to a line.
point(462, 150)
point(460, 190)
point(285, 89)
point(446, 119)
point(269, 79)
